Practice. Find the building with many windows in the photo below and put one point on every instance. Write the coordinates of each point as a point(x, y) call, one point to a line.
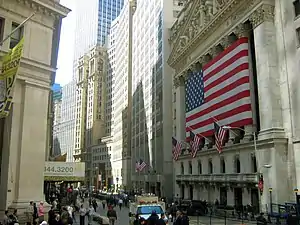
point(152, 96)
point(93, 21)
point(263, 36)
point(67, 122)
point(120, 56)
point(56, 107)
point(90, 104)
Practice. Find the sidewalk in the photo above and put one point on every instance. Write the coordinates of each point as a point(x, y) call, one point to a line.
point(203, 220)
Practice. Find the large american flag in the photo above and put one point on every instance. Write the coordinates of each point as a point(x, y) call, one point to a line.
point(220, 92)
point(176, 150)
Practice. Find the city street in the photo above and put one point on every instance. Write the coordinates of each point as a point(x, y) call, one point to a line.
point(124, 220)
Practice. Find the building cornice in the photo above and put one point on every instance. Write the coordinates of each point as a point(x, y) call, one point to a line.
point(199, 24)
point(46, 7)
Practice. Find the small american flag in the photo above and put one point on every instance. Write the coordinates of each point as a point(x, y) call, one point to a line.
point(220, 134)
point(176, 148)
point(140, 165)
point(195, 142)
point(220, 91)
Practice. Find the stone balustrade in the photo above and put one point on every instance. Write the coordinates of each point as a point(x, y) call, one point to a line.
point(218, 178)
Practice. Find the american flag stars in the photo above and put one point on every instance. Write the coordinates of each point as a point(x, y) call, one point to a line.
point(194, 91)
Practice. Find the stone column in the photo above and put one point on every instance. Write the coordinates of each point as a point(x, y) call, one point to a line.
point(23, 162)
point(179, 83)
point(271, 121)
point(267, 72)
point(243, 30)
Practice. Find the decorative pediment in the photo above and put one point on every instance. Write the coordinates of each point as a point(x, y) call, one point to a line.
point(204, 17)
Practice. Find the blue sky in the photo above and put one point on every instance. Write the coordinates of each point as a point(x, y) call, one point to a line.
point(65, 54)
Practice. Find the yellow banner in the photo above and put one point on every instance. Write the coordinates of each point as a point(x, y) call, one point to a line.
point(10, 66)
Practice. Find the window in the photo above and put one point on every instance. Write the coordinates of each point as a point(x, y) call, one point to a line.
point(222, 166)
point(237, 165)
point(182, 168)
point(92, 69)
point(16, 36)
point(254, 164)
point(297, 7)
point(2, 24)
point(190, 167)
point(210, 167)
point(298, 36)
point(199, 167)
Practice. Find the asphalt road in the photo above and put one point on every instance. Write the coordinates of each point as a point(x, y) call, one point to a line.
point(122, 215)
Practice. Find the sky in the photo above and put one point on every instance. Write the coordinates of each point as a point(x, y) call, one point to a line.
point(66, 48)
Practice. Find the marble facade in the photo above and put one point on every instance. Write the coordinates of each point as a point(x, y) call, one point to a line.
point(24, 141)
point(203, 29)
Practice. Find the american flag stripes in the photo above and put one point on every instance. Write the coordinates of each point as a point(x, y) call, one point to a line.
point(140, 165)
point(194, 143)
point(220, 134)
point(176, 148)
point(220, 91)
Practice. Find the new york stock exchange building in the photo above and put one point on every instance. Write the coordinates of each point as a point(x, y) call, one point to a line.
point(236, 64)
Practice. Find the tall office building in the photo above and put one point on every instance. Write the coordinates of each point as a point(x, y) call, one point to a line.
point(121, 63)
point(152, 95)
point(93, 21)
point(57, 102)
point(67, 123)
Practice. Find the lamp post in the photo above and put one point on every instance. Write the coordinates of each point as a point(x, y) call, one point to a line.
point(96, 175)
point(259, 171)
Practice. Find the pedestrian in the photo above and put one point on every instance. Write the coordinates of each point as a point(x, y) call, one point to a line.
point(103, 204)
point(163, 220)
point(91, 212)
point(95, 205)
point(112, 215)
point(41, 212)
point(120, 203)
point(51, 216)
point(29, 213)
point(153, 219)
point(261, 220)
point(177, 219)
point(5, 218)
point(82, 214)
point(35, 214)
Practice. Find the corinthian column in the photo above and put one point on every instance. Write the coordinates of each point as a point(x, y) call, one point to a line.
point(267, 71)
point(179, 83)
point(271, 121)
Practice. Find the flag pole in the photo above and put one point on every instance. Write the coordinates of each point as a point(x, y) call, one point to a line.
point(17, 28)
point(216, 121)
point(201, 135)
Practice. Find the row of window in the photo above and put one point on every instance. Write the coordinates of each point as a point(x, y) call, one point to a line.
point(237, 166)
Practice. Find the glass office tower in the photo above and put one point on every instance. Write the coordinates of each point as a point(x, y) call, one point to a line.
point(93, 21)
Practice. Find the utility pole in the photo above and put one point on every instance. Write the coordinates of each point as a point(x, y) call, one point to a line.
point(17, 28)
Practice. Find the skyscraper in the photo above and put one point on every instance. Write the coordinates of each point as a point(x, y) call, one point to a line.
point(93, 20)
point(152, 95)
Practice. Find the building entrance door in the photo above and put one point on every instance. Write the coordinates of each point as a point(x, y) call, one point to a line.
point(238, 196)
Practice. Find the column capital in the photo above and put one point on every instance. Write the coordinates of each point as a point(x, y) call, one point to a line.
point(261, 14)
point(225, 42)
point(242, 30)
point(180, 80)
